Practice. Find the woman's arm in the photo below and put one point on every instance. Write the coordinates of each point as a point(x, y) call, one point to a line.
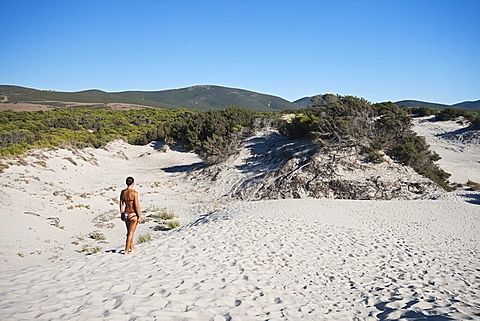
point(121, 205)
point(137, 208)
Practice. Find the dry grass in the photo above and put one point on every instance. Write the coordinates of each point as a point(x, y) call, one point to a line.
point(472, 183)
point(3, 167)
point(104, 220)
point(144, 238)
point(162, 214)
point(97, 236)
point(41, 163)
point(173, 224)
point(87, 249)
point(71, 160)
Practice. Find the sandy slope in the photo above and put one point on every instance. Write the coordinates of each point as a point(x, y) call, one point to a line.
point(284, 259)
point(81, 189)
point(460, 151)
point(291, 259)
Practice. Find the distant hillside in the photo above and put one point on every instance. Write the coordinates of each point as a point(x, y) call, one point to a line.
point(203, 97)
point(16, 94)
point(417, 103)
point(305, 101)
point(193, 98)
point(468, 105)
point(207, 97)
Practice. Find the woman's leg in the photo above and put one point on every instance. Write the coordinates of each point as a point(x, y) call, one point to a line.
point(131, 226)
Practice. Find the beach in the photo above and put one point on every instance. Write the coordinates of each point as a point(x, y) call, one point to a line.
point(287, 259)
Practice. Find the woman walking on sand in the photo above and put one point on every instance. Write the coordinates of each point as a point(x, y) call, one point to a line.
point(130, 212)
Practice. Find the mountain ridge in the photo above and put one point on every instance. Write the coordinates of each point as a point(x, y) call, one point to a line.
point(305, 101)
point(205, 97)
point(202, 97)
point(199, 97)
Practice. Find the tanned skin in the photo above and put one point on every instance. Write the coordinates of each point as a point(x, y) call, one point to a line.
point(130, 214)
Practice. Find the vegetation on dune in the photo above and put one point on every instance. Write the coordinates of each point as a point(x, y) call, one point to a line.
point(375, 129)
point(332, 121)
point(144, 238)
point(173, 225)
point(21, 131)
point(454, 113)
point(214, 135)
point(471, 116)
point(208, 133)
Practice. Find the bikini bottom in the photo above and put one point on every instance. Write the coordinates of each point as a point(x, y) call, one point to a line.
point(128, 215)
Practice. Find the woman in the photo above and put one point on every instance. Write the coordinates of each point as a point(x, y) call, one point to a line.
point(130, 212)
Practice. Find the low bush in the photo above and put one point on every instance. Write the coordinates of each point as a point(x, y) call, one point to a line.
point(162, 215)
point(97, 236)
point(144, 238)
point(90, 250)
point(470, 116)
point(173, 224)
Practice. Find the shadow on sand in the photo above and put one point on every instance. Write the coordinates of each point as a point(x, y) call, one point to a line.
point(182, 168)
point(272, 151)
point(472, 198)
point(409, 315)
point(460, 131)
point(157, 145)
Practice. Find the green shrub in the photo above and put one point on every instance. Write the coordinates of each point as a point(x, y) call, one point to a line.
point(173, 224)
point(453, 113)
point(76, 127)
point(144, 238)
point(382, 128)
point(375, 157)
point(472, 183)
point(162, 214)
point(90, 250)
point(424, 111)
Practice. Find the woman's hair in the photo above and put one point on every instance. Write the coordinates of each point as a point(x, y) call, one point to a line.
point(130, 181)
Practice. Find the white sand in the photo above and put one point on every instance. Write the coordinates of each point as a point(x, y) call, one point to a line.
point(269, 260)
point(460, 157)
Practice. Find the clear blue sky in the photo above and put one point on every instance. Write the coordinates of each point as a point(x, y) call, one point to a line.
point(380, 50)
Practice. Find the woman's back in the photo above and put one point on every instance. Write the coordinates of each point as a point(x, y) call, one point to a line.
point(129, 197)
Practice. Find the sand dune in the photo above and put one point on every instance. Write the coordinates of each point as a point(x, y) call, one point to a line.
point(312, 259)
point(458, 147)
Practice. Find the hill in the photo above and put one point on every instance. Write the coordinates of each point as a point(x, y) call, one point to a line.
point(417, 103)
point(468, 105)
point(17, 94)
point(204, 97)
point(306, 101)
